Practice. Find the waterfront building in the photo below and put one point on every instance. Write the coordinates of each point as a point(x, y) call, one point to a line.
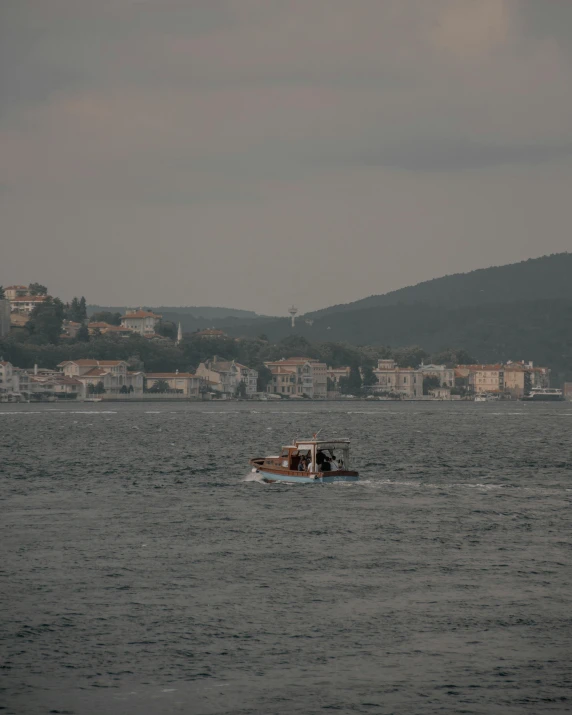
point(298, 376)
point(225, 376)
point(185, 383)
point(403, 381)
point(113, 374)
point(9, 380)
point(446, 375)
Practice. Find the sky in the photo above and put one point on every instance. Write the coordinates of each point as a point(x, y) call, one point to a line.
point(259, 153)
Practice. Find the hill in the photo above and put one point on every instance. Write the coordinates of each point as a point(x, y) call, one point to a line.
point(194, 311)
point(547, 277)
point(538, 330)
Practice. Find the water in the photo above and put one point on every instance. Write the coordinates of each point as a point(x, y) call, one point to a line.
point(145, 571)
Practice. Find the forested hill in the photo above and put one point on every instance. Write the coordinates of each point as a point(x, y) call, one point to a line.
point(538, 330)
point(548, 277)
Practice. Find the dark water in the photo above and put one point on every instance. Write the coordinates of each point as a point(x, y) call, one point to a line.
point(142, 574)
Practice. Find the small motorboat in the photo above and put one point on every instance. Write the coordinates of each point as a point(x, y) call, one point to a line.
point(308, 461)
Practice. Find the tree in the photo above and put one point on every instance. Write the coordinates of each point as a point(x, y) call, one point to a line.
point(37, 289)
point(527, 383)
point(46, 319)
point(72, 310)
point(410, 356)
point(90, 388)
point(264, 377)
point(241, 390)
point(160, 386)
point(431, 382)
point(369, 377)
point(82, 310)
point(82, 334)
point(351, 385)
point(451, 357)
point(167, 329)
point(99, 388)
point(124, 390)
point(2, 294)
point(106, 316)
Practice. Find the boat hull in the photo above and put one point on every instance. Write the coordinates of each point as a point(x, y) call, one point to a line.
point(272, 477)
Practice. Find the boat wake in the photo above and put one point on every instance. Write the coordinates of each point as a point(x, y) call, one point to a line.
point(253, 476)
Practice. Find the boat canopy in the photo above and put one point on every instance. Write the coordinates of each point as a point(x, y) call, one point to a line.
point(323, 444)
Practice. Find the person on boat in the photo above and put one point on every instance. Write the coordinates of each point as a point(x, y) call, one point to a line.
point(303, 464)
point(326, 465)
point(320, 456)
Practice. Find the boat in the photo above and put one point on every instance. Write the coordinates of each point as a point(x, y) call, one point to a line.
point(486, 397)
point(325, 460)
point(544, 394)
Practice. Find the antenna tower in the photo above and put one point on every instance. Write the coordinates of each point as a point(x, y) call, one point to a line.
point(293, 312)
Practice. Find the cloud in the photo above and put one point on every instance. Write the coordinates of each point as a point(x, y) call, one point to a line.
point(245, 108)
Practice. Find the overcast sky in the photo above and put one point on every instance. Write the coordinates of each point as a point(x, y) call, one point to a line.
point(258, 153)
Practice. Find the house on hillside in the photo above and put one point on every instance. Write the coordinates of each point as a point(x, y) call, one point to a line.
point(15, 291)
point(210, 333)
point(108, 329)
point(26, 303)
point(141, 321)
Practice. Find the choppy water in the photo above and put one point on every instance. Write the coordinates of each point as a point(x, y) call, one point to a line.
point(144, 571)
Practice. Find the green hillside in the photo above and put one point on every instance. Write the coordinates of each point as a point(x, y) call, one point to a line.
point(548, 277)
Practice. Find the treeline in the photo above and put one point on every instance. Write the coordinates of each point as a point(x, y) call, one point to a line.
point(164, 356)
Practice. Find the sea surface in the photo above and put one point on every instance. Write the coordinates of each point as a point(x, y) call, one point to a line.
point(146, 571)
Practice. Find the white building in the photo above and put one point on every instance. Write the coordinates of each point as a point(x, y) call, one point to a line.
point(9, 379)
point(26, 303)
point(402, 381)
point(446, 375)
point(141, 321)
